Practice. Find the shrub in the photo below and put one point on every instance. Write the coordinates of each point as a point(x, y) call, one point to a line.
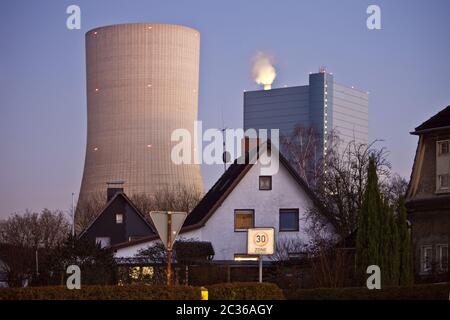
point(245, 291)
point(102, 293)
point(418, 292)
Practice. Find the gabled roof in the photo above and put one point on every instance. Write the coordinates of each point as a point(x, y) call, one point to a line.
point(441, 120)
point(219, 192)
point(125, 197)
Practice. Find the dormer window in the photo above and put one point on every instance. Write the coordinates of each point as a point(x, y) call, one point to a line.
point(443, 166)
point(265, 182)
point(443, 147)
point(119, 218)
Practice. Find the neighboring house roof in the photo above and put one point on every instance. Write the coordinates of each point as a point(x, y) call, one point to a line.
point(441, 120)
point(219, 192)
point(125, 197)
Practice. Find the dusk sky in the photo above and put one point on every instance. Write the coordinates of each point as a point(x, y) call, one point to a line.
point(405, 67)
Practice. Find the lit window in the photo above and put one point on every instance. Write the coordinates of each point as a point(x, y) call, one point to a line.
point(149, 146)
point(442, 257)
point(244, 219)
point(443, 181)
point(245, 257)
point(426, 258)
point(95, 33)
point(265, 183)
point(97, 89)
point(289, 220)
point(95, 149)
point(443, 147)
point(103, 241)
point(119, 218)
point(149, 85)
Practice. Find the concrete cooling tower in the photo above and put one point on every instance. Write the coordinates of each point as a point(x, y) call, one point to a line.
point(142, 83)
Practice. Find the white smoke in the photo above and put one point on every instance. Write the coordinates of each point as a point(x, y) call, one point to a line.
point(263, 71)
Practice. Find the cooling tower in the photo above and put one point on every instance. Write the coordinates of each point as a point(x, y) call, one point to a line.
point(142, 83)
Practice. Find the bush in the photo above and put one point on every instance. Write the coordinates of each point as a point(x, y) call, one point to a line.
point(245, 291)
point(102, 293)
point(418, 292)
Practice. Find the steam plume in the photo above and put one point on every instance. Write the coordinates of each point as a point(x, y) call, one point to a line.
point(263, 71)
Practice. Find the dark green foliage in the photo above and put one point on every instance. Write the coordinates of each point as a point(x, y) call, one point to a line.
point(102, 293)
point(189, 252)
point(245, 291)
point(369, 235)
point(97, 265)
point(406, 275)
point(382, 236)
point(418, 292)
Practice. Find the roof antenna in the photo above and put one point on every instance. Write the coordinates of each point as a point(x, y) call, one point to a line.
point(225, 154)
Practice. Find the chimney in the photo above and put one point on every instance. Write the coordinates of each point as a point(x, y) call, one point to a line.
point(113, 188)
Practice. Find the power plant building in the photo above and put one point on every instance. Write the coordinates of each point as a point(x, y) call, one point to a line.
point(323, 105)
point(142, 84)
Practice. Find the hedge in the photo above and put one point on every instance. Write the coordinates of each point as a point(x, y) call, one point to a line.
point(225, 291)
point(417, 292)
point(131, 292)
point(245, 291)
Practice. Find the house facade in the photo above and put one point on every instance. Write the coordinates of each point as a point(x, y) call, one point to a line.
point(118, 222)
point(428, 197)
point(241, 199)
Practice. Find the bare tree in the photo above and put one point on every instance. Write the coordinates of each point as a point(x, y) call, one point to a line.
point(303, 150)
point(87, 210)
point(32, 230)
point(23, 237)
point(340, 187)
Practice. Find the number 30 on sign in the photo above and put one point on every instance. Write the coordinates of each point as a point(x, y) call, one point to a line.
point(260, 241)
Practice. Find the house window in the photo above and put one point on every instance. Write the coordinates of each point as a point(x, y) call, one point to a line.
point(244, 219)
point(442, 256)
point(443, 181)
point(265, 182)
point(443, 147)
point(426, 258)
point(245, 257)
point(119, 218)
point(289, 220)
point(103, 241)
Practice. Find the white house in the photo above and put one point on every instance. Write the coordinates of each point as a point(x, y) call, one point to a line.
point(242, 198)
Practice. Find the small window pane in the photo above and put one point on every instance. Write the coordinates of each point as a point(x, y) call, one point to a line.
point(103, 241)
point(243, 220)
point(289, 220)
point(265, 183)
point(119, 218)
point(443, 181)
point(443, 147)
point(426, 258)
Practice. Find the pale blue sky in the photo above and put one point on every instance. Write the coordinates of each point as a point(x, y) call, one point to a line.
point(405, 66)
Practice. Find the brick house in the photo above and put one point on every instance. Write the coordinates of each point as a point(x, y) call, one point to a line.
point(428, 198)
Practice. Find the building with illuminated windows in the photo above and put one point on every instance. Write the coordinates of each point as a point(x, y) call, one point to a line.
point(142, 84)
point(323, 105)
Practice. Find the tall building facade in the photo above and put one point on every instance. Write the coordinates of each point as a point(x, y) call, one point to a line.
point(323, 105)
point(142, 83)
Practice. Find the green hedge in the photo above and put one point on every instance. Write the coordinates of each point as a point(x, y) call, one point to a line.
point(417, 292)
point(131, 292)
point(225, 291)
point(245, 291)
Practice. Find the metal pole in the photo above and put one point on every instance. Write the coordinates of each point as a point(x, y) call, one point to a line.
point(169, 248)
point(37, 263)
point(260, 268)
point(73, 215)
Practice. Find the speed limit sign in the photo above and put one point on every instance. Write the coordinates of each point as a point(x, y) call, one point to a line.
point(260, 241)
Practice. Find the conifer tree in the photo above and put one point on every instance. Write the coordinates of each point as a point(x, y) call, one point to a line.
point(369, 233)
point(405, 247)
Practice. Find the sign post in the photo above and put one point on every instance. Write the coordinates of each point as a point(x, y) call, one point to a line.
point(168, 224)
point(260, 241)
